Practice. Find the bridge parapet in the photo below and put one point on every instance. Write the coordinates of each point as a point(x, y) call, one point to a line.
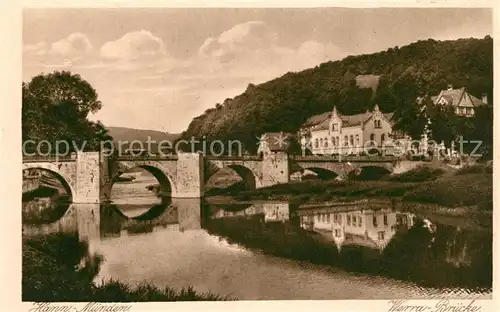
point(234, 158)
point(48, 158)
point(144, 158)
point(343, 158)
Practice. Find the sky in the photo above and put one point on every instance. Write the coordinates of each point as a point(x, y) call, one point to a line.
point(158, 68)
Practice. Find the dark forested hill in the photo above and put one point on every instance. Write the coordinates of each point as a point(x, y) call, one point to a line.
point(284, 103)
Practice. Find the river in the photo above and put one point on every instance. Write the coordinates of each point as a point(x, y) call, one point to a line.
point(215, 248)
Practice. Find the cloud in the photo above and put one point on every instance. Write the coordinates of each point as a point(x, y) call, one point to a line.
point(252, 50)
point(312, 53)
point(38, 49)
point(75, 45)
point(134, 46)
point(254, 35)
point(136, 69)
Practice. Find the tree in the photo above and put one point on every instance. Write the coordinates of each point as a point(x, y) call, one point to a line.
point(445, 123)
point(479, 130)
point(411, 119)
point(56, 106)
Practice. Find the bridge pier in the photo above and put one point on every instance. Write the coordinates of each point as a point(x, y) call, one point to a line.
point(190, 181)
point(275, 168)
point(88, 178)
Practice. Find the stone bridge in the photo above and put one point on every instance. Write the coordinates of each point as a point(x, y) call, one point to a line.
point(327, 167)
point(89, 176)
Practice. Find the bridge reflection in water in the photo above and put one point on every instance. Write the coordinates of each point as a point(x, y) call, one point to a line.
point(364, 236)
point(93, 222)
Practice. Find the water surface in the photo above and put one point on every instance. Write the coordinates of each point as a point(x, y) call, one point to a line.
point(356, 250)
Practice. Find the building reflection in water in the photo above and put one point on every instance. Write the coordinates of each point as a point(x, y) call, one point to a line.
point(369, 224)
point(268, 212)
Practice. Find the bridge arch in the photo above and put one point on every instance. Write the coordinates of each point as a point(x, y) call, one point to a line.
point(323, 174)
point(58, 171)
point(379, 168)
point(163, 177)
point(246, 175)
point(250, 175)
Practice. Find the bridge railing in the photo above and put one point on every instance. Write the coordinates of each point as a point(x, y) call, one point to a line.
point(236, 158)
point(147, 157)
point(48, 158)
point(343, 158)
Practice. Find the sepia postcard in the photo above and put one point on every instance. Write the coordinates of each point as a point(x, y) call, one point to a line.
point(330, 157)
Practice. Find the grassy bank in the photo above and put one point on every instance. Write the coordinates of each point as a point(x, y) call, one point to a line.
point(467, 187)
point(58, 268)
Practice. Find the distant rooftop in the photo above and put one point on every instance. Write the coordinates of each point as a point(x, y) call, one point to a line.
point(321, 121)
point(457, 97)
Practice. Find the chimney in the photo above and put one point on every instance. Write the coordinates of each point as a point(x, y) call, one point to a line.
point(450, 87)
point(484, 98)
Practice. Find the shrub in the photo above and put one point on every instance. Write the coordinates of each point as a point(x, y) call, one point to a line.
point(419, 174)
point(477, 168)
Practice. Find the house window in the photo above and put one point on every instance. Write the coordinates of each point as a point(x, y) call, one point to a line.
point(375, 221)
point(381, 235)
point(357, 139)
point(346, 142)
point(326, 142)
point(372, 139)
point(328, 218)
point(353, 220)
point(338, 141)
point(469, 110)
point(351, 138)
point(385, 219)
point(337, 232)
point(348, 220)
point(382, 138)
point(378, 124)
point(360, 221)
point(335, 127)
point(321, 142)
point(338, 218)
point(323, 218)
point(333, 141)
point(318, 218)
point(316, 143)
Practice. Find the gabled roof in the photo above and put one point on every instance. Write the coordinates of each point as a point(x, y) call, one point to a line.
point(322, 121)
point(316, 119)
point(456, 97)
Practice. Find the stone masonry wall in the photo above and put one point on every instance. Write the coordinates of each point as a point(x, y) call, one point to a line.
point(88, 177)
point(190, 180)
point(275, 169)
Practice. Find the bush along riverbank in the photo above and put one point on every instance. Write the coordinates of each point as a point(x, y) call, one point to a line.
point(471, 186)
point(58, 268)
point(449, 258)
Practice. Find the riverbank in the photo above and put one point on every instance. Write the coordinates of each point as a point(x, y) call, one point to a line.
point(457, 192)
point(58, 268)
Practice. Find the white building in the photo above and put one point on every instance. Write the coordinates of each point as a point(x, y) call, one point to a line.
point(335, 133)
